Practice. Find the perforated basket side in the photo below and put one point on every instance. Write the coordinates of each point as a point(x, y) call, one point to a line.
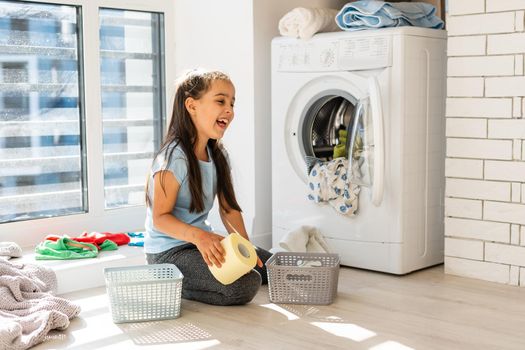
point(144, 293)
point(141, 273)
point(289, 283)
point(297, 259)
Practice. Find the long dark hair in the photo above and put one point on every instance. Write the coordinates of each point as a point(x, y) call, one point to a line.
point(182, 131)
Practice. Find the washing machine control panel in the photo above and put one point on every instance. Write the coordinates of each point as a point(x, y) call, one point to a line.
point(327, 57)
point(305, 56)
point(365, 53)
point(346, 53)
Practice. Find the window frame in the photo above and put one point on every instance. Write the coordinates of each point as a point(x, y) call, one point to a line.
point(98, 218)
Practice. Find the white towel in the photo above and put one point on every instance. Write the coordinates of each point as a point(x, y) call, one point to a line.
point(302, 22)
point(304, 239)
point(10, 250)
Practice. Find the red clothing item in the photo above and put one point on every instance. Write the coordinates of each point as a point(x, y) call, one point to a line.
point(97, 238)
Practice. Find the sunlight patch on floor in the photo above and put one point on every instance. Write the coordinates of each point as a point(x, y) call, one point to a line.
point(92, 302)
point(346, 330)
point(279, 309)
point(390, 345)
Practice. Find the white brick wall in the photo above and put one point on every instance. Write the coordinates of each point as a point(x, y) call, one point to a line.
point(459, 127)
point(507, 129)
point(476, 189)
point(492, 23)
point(506, 43)
point(479, 107)
point(504, 212)
point(479, 229)
point(505, 254)
point(467, 45)
point(465, 87)
point(505, 171)
point(463, 208)
point(460, 167)
point(484, 65)
point(501, 5)
point(466, 7)
point(518, 64)
point(485, 164)
point(464, 248)
point(504, 87)
point(477, 269)
point(477, 148)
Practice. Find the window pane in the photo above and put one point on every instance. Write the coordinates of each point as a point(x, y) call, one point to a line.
point(131, 49)
point(41, 167)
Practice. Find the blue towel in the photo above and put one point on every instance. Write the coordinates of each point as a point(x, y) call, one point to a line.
point(136, 239)
point(378, 14)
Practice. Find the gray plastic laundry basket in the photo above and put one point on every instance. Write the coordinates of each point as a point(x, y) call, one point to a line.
point(144, 292)
point(303, 278)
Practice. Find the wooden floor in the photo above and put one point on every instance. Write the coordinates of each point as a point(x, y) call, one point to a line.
point(423, 310)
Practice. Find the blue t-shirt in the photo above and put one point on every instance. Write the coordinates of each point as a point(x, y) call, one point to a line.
point(156, 241)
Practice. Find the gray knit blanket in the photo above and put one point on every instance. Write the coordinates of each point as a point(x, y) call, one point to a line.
point(28, 309)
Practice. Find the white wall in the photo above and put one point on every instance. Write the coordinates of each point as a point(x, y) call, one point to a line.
point(235, 36)
point(485, 165)
point(219, 35)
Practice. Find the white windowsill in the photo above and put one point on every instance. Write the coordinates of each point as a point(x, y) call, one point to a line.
point(78, 274)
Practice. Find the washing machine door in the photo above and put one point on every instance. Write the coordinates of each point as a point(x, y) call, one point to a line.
point(366, 151)
point(317, 114)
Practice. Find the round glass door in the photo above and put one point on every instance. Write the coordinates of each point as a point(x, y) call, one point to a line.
point(326, 127)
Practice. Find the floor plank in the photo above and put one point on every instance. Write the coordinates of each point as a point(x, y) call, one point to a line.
point(423, 310)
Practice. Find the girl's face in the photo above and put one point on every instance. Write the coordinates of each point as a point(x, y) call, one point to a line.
point(213, 112)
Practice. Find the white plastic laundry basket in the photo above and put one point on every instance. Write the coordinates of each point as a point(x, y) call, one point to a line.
point(144, 292)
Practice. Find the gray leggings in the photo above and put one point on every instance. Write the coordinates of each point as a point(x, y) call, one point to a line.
point(199, 284)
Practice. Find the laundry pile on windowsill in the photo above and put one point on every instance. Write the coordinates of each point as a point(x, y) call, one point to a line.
point(304, 22)
point(87, 245)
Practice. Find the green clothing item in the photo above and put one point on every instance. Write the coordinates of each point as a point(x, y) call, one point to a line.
point(108, 245)
point(340, 148)
point(65, 249)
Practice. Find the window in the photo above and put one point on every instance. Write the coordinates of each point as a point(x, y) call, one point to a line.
point(132, 100)
point(82, 108)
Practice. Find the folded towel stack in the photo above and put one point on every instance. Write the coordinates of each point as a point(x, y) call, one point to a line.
point(378, 14)
point(304, 22)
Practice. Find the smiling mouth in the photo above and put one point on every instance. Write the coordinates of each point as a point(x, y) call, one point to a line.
point(222, 123)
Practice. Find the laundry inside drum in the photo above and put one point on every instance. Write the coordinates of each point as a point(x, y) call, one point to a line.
point(326, 128)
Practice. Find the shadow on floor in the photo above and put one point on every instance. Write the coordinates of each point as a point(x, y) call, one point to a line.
point(158, 332)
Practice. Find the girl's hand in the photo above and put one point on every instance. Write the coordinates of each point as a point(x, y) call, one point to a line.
point(209, 245)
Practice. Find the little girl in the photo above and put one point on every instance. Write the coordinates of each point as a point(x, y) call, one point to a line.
point(190, 168)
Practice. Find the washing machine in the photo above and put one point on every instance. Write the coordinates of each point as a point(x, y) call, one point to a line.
point(386, 89)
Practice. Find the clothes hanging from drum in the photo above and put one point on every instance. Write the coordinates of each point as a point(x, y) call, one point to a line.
point(327, 182)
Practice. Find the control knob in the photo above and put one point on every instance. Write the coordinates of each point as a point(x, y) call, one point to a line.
point(327, 57)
